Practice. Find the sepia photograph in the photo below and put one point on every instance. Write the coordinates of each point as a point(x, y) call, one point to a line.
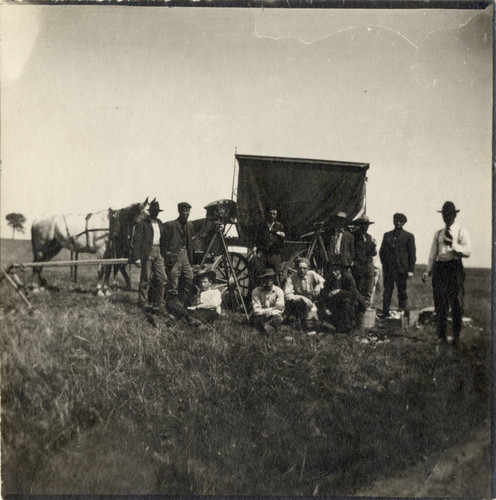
point(246, 250)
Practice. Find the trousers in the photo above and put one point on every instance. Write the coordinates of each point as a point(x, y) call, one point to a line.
point(180, 269)
point(153, 265)
point(390, 279)
point(448, 286)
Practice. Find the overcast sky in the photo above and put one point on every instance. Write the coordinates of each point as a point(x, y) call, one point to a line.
point(103, 106)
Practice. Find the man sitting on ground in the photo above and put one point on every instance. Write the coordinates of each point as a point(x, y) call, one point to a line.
point(340, 301)
point(207, 304)
point(301, 291)
point(268, 303)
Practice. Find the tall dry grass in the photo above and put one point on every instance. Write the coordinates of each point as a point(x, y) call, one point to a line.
point(97, 400)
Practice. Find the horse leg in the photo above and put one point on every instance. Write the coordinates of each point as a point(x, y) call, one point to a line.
point(48, 252)
point(122, 268)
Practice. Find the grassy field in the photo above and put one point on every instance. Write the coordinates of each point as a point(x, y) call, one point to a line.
point(95, 399)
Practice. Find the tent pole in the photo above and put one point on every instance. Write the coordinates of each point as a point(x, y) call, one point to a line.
point(234, 172)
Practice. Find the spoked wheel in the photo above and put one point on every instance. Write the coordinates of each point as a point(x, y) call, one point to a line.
point(225, 280)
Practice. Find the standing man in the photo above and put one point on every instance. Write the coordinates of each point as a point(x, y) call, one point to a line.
point(269, 241)
point(450, 245)
point(340, 242)
point(147, 245)
point(398, 258)
point(267, 301)
point(363, 266)
point(301, 291)
point(178, 241)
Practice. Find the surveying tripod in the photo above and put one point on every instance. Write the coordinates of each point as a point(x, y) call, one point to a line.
point(228, 265)
point(317, 240)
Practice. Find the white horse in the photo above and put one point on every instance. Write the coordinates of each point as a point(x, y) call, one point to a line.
point(105, 233)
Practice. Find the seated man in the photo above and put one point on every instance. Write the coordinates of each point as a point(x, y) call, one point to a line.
point(268, 303)
point(207, 304)
point(340, 302)
point(300, 293)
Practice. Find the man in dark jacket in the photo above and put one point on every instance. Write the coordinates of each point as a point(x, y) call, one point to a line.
point(398, 258)
point(147, 245)
point(269, 240)
point(178, 242)
point(339, 242)
point(340, 302)
point(363, 266)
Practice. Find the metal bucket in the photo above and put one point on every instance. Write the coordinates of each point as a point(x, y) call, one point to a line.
point(367, 319)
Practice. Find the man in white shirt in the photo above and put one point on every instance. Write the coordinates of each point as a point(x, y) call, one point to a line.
point(450, 245)
point(301, 291)
point(267, 301)
point(207, 307)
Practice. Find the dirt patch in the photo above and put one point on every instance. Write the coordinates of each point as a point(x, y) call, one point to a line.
point(462, 471)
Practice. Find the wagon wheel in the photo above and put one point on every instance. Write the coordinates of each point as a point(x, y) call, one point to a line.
point(225, 280)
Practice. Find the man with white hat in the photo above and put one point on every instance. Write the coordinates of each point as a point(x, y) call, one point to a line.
point(450, 245)
point(365, 250)
point(267, 301)
point(301, 291)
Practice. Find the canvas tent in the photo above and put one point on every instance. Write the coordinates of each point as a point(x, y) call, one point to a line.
point(304, 192)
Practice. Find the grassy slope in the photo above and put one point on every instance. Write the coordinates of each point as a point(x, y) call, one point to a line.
point(96, 400)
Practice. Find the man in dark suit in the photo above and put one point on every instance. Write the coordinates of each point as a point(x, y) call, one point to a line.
point(340, 302)
point(269, 240)
point(178, 243)
point(339, 242)
point(147, 245)
point(397, 254)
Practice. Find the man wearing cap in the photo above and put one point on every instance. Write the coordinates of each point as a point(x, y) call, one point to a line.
point(397, 254)
point(178, 241)
point(365, 250)
point(301, 291)
point(450, 245)
point(340, 243)
point(267, 302)
point(147, 245)
point(340, 301)
point(269, 240)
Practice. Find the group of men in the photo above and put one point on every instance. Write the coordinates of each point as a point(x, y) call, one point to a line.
point(346, 289)
point(343, 292)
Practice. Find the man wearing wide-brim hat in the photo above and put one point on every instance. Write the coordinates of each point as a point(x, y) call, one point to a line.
point(267, 302)
point(365, 250)
point(339, 242)
point(301, 291)
point(450, 245)
point(147, 245)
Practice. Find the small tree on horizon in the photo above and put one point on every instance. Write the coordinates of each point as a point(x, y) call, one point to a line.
point(17, 222)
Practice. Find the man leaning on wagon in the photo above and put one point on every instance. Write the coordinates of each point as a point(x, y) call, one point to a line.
point(147, 245)
point(450, 245)
point(301, 291)
point(267, 301)
point(178, 241)
point(269, 240)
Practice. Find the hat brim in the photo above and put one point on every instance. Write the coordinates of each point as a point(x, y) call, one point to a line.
point(448, 211)
point(267, 275)
point(210, 274)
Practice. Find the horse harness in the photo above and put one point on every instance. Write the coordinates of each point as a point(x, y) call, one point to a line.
point(87, 230)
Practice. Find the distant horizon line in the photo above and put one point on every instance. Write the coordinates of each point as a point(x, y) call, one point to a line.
point(417, 264)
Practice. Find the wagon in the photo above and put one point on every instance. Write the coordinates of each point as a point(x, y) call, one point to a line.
point(306, 194)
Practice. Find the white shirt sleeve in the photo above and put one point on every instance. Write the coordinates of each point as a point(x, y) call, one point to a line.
point(433, 253)
point(462, 245)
